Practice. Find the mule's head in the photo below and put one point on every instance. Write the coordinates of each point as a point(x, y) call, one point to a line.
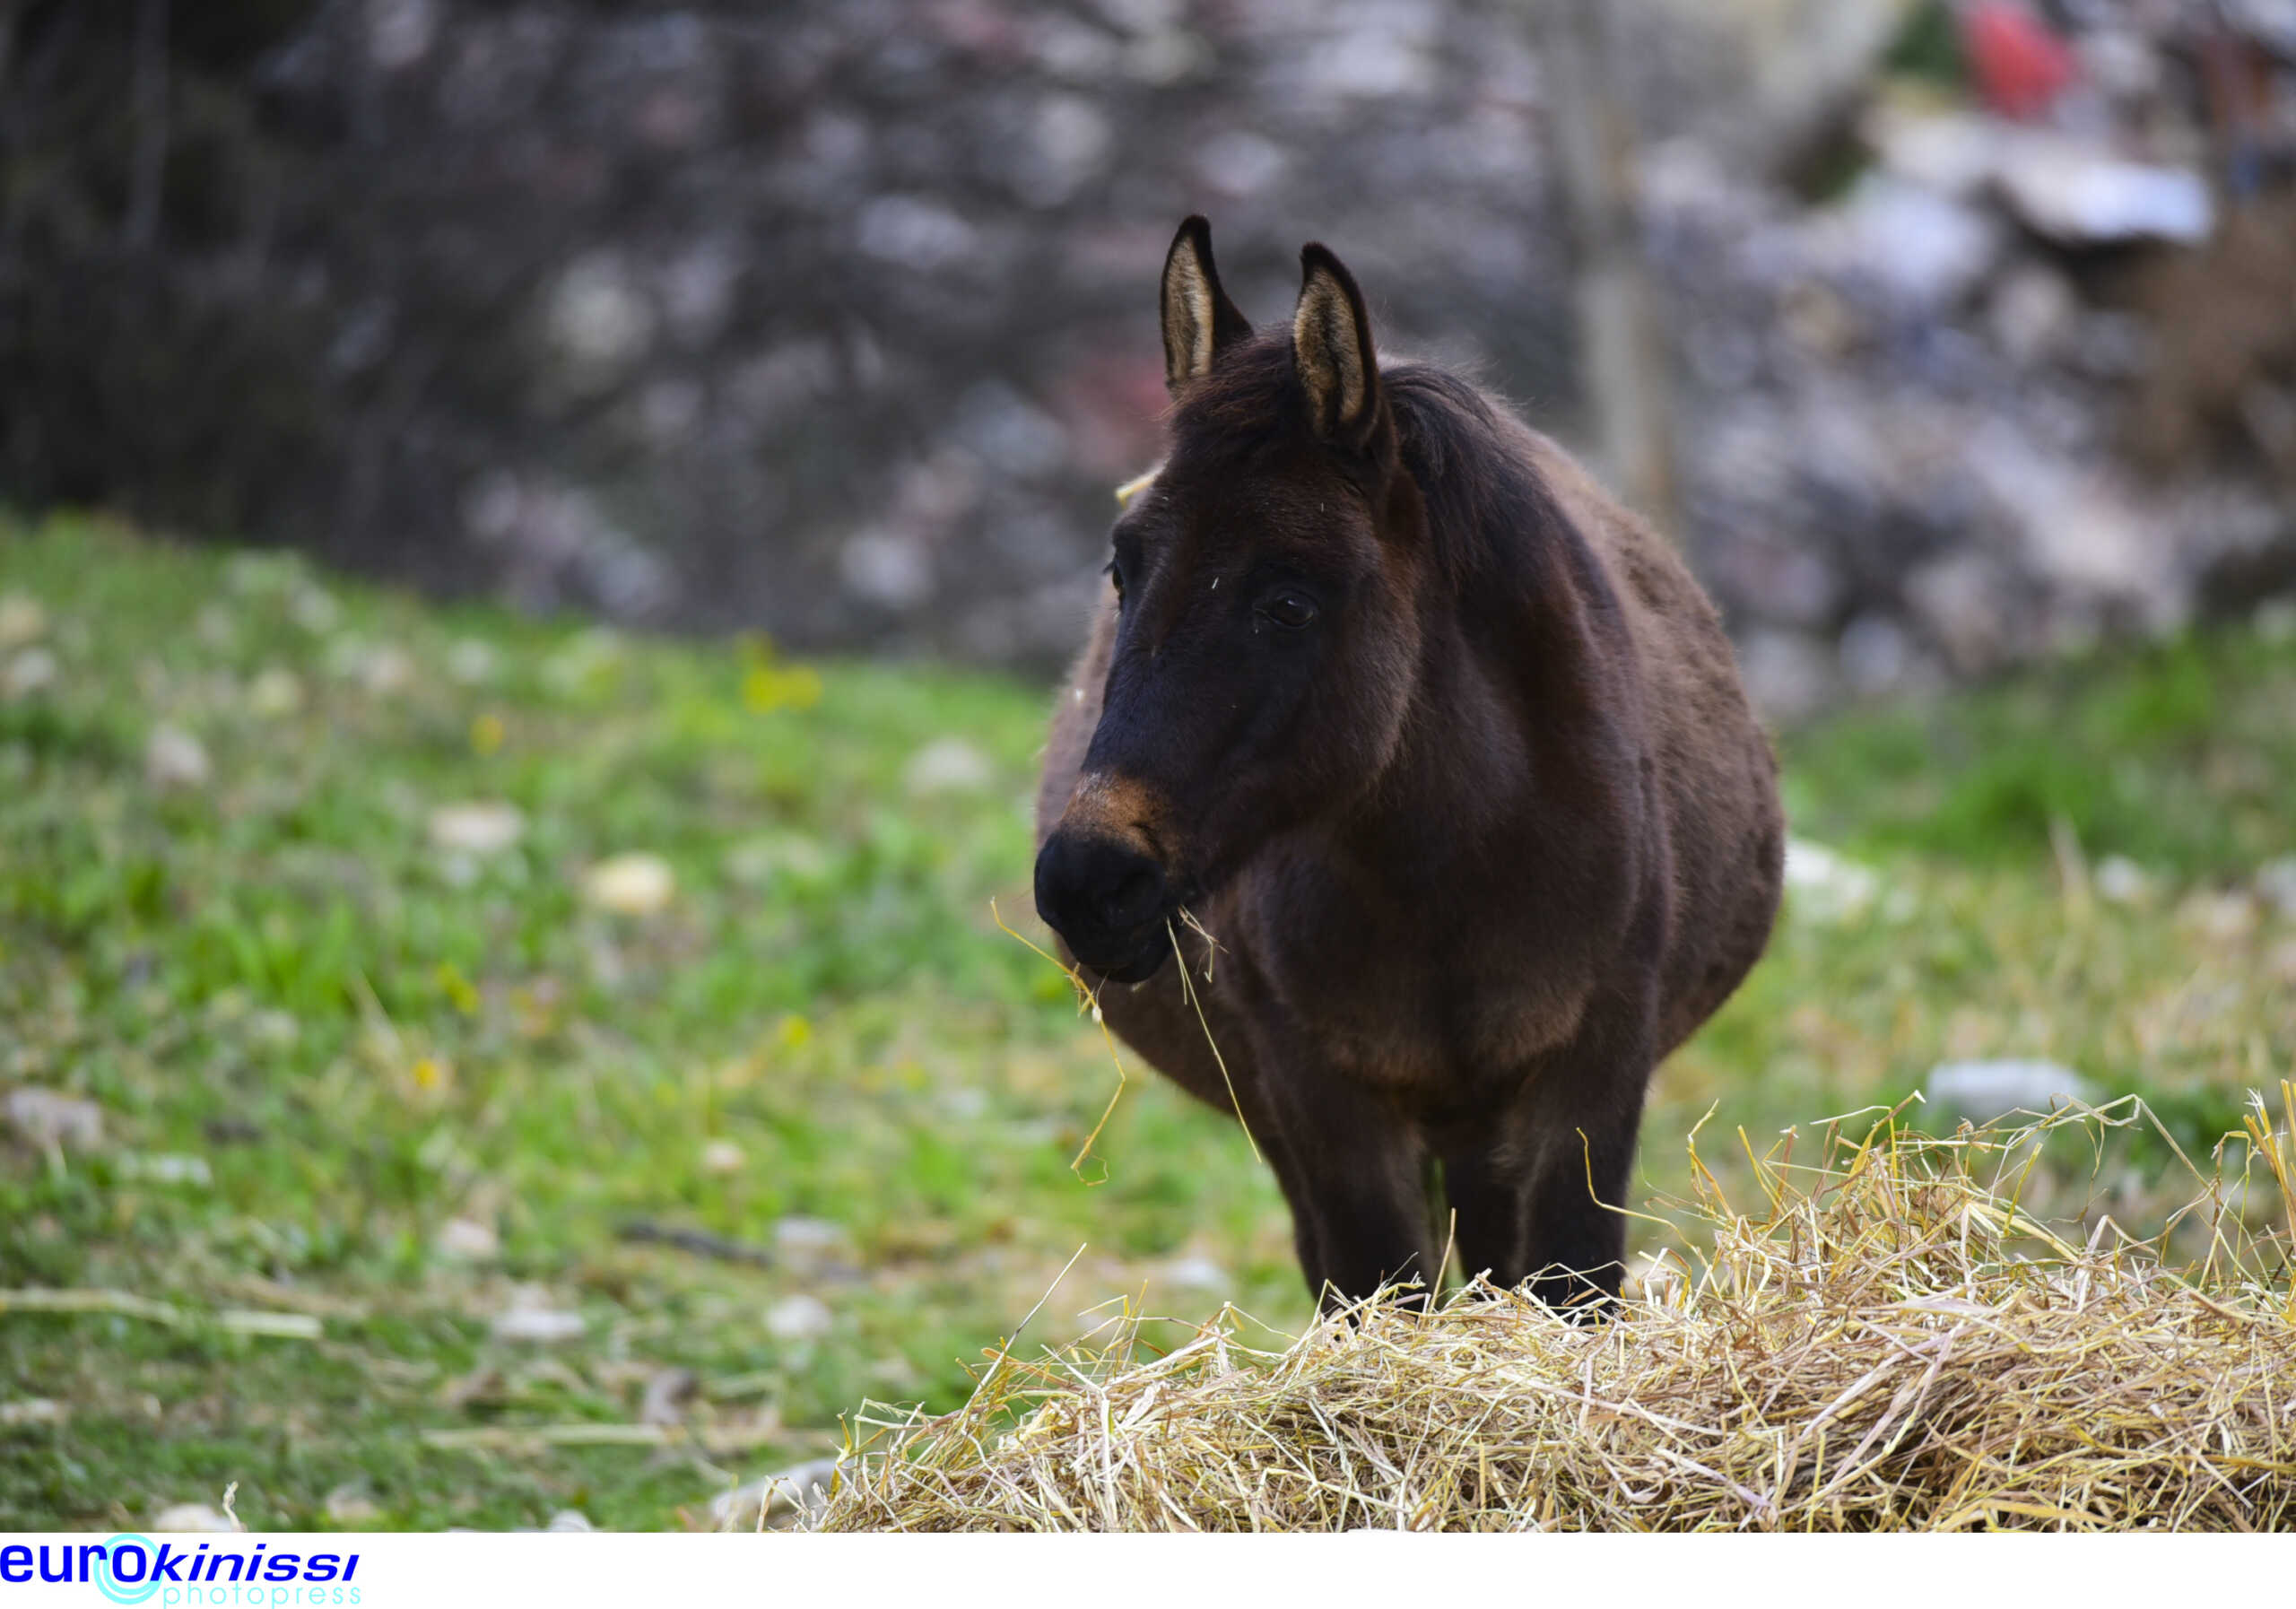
point(1267, 639)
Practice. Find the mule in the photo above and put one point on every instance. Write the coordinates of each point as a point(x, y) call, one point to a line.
point(1444, 754)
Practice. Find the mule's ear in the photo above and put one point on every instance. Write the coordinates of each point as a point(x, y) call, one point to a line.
point(1331, 344)
point(1200, 322)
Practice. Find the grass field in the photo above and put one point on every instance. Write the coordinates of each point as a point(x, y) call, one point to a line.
point(412, 1164)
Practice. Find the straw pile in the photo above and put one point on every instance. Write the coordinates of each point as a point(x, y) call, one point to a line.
point(1891, 1342)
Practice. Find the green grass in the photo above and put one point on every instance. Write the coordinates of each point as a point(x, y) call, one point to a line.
point(317, 1040)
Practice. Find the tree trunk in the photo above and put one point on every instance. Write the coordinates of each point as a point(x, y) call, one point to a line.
point(1622, 350)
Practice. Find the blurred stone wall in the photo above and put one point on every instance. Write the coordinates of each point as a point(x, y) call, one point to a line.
point(837, 320)
point(834, 320)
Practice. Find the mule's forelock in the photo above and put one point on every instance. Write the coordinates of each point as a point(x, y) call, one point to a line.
point(1200, 322)
point(1331, 345)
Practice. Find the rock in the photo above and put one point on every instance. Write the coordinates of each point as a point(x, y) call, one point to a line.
point(191, 1517)
point(2081, 196)
point(477, 827)
point(46, 1117)
point(2224, 916)
point(30, 671)
point(22, 621)
point(2033, 313)
point(1780, 74)
point(1195, 1271)
point(808, 1236)
point(33, 1410)
point(803, 1489)
point(530, 1318)
point(600, 323)
point(2075, 525)
point(698, 291)
point(798, 1317)
point(1069, 145)
point(1952, 153)
point(467, 1241)
point(1787, 674)
point(888, 570)
point(913, 232)
point(569, 1520)
point(1984, 1090)
point(1877, 656)
point(1926, 250)
point(470, 662)
point(351, 1507)
point(948, 765)
point(399, 32)
point(2280, 963)
point(386, 670)
point(723, 1156)
point(314, 609)
point(174, 759)
point(2275, 884)
point(1826, 887)
point(168, 1168)
point(668, 1394)
point(1009, 433)
point(1965, 600)
point(1241, 163)
point(274, 692)
point(633, 885)
point(2121, 881)
point(757, 861)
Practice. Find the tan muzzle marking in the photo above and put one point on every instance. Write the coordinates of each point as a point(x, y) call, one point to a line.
point(1123, 808)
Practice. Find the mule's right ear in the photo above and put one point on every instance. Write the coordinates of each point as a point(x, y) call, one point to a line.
point(1200, 322)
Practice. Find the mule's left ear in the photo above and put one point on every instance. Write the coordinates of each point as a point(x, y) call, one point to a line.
point(1331, 344)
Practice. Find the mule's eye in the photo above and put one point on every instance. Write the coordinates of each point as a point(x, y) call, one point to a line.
point(1116, 574)
point(1288, 609)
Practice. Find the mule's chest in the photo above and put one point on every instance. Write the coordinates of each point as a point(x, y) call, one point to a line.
point(1415, 996)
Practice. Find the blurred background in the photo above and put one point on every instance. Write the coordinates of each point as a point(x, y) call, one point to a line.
point(535, 539)
point(1971, 323)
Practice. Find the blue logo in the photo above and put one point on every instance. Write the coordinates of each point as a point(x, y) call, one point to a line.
point(134, 1589)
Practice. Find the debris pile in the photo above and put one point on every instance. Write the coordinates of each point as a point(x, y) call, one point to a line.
point(841, 324)
point(2025, 378)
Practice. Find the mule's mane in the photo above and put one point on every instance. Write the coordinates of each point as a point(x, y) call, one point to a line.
point(1484, 498)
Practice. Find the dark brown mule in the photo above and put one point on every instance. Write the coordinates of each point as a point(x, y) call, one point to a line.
point(1447, 753)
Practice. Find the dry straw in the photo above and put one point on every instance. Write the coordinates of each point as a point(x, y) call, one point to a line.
point(1892, 1339)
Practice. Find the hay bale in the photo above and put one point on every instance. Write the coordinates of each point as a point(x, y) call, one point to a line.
point(1891, 1342)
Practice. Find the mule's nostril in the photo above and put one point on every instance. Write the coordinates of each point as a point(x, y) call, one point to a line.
point(1134, 900)
point(1099, 894)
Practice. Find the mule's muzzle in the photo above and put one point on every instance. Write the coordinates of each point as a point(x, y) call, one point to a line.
point(1107, 902)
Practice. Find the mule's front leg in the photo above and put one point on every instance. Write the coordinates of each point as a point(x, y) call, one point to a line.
point(1351, 1171)
point(1576, 1254)
point(1539, 1187)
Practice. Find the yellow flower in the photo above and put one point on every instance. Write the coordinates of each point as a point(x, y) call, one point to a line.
point(486, 735)
point(766, 688)
point(769, 684)
point(457, 989)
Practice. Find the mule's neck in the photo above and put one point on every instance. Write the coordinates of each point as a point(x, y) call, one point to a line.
point(1525, 705)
